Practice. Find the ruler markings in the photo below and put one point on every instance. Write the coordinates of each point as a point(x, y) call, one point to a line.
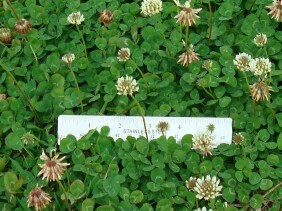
point(123, 126)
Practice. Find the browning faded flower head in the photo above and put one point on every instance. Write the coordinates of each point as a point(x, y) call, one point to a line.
point(242, 61)
point(191, 183)
point(123, 54)
point(151, 7)
point(187, 15)
point(53, 167)
point(38, 198)
point(276, 10)
point(162, 126)
point(22, 26)
point(76, 18)
point(6, 35)
point(127, 85)
point(204, 143)
point(188, 57)
point(3, 96)
point(207, 188)
point(106, 16)
point(260, 90)
point(203, 209)
point(260, 40)
point(260, 66)
point(28, 138)
point(68, 58)
point(207, 64)
point(238, 138)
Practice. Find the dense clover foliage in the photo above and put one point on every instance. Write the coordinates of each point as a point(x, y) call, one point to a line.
point(213, 58)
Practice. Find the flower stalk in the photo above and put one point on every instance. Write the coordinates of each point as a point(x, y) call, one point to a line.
point(83, 42)
point(142, 115)
point(20, 88)
point(77, 87)
point(13, 10)
point(65, 194)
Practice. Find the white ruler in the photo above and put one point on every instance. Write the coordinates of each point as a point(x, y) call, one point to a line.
point(123, 126)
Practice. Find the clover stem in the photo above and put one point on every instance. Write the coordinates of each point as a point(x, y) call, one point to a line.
point(209, 83)
point(244, 152)
point(65, 194)
point(165, 40)
point(5, 48)
point(141, 73)
point(272, 189)
point(83, 41)
point(186, 36)
point(26, 39)
point(142, 114)
point(265, 51)
point(77, 87)
point(269, 103)
point(13, 10)
point(209, 93)
point(19, 87)
point(253, 101)
point(211, 13)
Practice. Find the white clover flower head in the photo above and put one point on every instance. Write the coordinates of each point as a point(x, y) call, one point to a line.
point(203, 209)
point(151, 7)
point(68, 58)
point(260, 91)
point(123, 54)
point(260, 40)
point(242, 61)
point(28, 138)
point(225, 205)
point(276, 10)
point(188, 56)
point(204, 143)
point(260, 66)
point(127, 85)
point(76, 18)
point(191, 183)
point(207, 188)
point(238, 138)
point(186, 4)
point(187, 16)
point(207, 64)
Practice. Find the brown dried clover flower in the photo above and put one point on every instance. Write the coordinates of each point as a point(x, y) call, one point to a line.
point(260, 91)
point(22, 26)
point(3, 96)
point(53, 167)
point(38, 198)
point(162, 126)
point(276, 10)
point(238, 138)
point(191, 183)
point(188, 56)
point(106, 16)
point(6, 35)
